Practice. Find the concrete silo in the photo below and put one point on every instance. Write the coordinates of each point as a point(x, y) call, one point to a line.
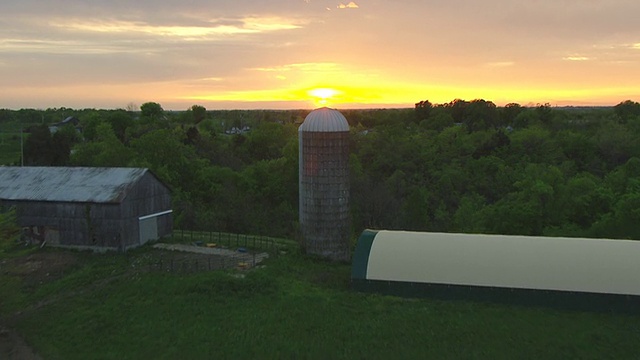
point(324, 184)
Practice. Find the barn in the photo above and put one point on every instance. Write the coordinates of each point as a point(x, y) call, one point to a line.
point(590, 274)
point(88, 208)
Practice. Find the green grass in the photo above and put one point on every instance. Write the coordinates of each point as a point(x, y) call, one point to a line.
point(10, 148)
point(293, 308)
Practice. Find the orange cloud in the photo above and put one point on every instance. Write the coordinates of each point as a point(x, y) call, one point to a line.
point(351, 5)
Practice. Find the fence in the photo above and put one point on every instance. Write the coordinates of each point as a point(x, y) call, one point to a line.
point(207, 251)
point(227, 240)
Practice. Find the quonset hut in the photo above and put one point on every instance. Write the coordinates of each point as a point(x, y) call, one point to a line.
point(324, 184)
point(589, 274)
point(88, 208)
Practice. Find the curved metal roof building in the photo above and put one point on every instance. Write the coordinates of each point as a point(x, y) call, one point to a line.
point(324, 184)
point(598, 274)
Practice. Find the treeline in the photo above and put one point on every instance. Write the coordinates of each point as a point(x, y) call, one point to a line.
point(464, 166)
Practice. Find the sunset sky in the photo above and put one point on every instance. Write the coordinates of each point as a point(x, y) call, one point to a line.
point(283, 54)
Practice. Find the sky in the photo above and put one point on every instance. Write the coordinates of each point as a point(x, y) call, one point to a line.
point(301, 54)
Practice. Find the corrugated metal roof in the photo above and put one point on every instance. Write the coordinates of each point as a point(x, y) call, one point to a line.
point(325, 120)
point(67, 184)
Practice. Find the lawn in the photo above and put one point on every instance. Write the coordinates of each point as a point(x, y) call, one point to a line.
point(111, 307)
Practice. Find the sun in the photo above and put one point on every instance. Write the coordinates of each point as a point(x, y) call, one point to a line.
point(323, 96)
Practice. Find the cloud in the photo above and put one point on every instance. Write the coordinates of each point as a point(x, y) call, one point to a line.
point(215, 28)
point(351, 5)
point(74, 47)
point(576, 58)
point(311, 67)
point(500, 64)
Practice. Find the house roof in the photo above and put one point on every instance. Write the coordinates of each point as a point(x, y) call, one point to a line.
point(68, 184)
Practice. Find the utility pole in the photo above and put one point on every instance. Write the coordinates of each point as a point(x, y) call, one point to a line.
point(21, 146)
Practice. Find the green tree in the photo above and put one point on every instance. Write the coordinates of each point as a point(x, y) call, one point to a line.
point(509, 113)
point(152, 111)
point(199, 113)
point(422, 110)
point(627, 110)
point(105, 151)
point(481, 115)
point(61, 143)
point(38, 147)
point(120, 121)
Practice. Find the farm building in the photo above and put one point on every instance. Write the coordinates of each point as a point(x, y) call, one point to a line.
point(324, 184)
point(88, 208)
point(567, 272)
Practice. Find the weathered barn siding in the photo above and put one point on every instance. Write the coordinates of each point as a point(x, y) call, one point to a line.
point(148, 196)
point(77, 224)
point(106, 220)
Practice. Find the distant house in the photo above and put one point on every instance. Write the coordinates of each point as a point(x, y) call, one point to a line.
point(88, 208)
point(236, 130)
point(71, 120)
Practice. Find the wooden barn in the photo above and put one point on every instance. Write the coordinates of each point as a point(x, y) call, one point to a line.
point(590, 274)
point(88, 208)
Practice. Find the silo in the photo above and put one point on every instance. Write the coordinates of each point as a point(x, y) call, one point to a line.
point(324, 184)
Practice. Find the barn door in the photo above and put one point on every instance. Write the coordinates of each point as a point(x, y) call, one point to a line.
point(148, 229)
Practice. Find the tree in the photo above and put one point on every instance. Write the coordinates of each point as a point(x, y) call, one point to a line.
point(422, 110)
point(37, 147)
point(458, 109)
point(61, 143)
point(106, 150)
point(120, 121)
point(509, 113)
point(152, 111)
point(481, 115)
point(627, 110)
point(199, 113)
point(438, 120)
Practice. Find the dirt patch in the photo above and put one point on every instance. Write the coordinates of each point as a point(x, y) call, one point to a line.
point(13, 347)
point(39, 268)
point(212, 258)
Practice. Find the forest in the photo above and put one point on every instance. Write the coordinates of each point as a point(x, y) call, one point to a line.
point(462, 166)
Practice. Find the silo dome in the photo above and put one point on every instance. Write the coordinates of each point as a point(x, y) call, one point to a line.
point(325, 120)
point(324, 184)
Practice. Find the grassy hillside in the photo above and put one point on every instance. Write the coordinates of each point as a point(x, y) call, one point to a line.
point(111, 307)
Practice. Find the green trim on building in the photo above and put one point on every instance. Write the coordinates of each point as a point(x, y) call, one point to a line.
point(565, 300)
point(361, 256)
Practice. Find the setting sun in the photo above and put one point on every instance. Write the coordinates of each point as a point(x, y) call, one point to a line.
point(323, 96)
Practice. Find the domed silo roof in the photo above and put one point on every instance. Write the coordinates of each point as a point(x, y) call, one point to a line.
point(324, 120)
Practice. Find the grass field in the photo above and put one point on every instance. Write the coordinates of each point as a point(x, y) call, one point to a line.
point(108, 307)
point(9, 148)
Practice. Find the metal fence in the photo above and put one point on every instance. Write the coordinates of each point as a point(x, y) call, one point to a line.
point(208, 250)
point(227, 240)
point(178, 264)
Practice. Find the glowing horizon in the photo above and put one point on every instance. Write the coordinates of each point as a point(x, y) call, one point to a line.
point(279, 53)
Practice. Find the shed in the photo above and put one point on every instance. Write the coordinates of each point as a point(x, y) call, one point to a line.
point(88, 208)
point(569, 272)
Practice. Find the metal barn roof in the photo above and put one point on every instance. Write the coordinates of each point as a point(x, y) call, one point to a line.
point(67, 184)
point(324, 120)
point(499, 261)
